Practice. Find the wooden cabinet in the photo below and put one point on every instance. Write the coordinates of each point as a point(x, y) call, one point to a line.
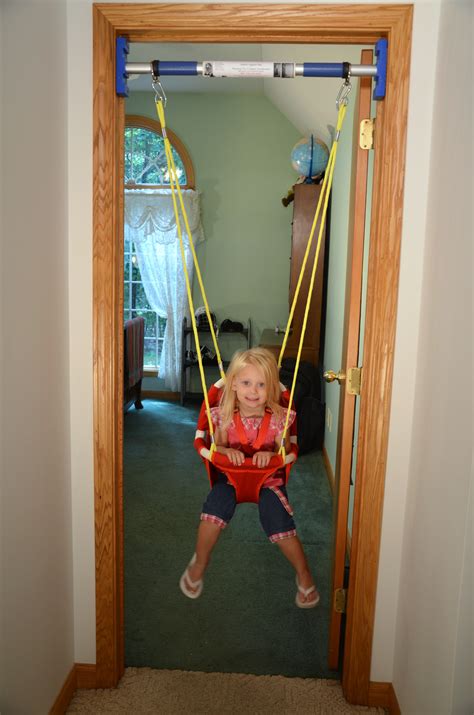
point(304, 208)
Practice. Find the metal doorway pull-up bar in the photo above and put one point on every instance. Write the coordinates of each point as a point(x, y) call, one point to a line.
point(257, 69)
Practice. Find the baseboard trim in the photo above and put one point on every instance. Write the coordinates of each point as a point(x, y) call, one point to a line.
point(382, 695)
point(163, 395)
point(61, 703)
point(86, 676)
point(82, 675)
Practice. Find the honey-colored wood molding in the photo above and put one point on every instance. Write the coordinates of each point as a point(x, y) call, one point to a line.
point(160, 395)
point(379, 342)
point(66, 693)
point(86, 677)
point(265, 23)
point(81, 675)
point(382, 695)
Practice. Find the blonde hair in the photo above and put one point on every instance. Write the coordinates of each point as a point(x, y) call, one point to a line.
point(264, 361)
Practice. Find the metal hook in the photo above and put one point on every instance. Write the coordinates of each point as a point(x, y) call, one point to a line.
point(342, 97)
point(160, 95)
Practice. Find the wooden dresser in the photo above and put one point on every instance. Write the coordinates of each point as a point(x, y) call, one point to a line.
point(304, 207)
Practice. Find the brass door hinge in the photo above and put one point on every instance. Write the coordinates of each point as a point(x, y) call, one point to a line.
point(354, 380)
point(366, 134)
point(339, 603)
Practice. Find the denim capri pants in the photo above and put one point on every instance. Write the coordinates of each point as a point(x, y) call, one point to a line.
point(276, 516)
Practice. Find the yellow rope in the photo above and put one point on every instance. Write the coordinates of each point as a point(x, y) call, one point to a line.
point(173, 184)
point(326, 189)
point(161, 116)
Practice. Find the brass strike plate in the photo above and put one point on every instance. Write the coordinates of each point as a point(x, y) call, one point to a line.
point(366, 134)
point(340, 600)
point(354, 380)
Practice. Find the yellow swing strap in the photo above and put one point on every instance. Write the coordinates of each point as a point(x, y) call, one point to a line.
point(174, 184)
point(323, 197)
point(161, 115)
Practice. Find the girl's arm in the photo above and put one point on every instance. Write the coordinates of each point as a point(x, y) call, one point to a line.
point(261, 459)
point(221, 441)
point(287, 442)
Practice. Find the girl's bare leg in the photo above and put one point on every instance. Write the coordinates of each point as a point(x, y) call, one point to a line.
point(207, 537)
point(293, 551)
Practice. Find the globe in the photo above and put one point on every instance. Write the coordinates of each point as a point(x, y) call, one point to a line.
point(309, 156)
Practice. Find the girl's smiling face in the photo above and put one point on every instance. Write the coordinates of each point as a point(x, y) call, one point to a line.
point(250, 390)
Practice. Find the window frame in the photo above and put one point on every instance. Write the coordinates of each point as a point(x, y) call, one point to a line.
point(139, 122)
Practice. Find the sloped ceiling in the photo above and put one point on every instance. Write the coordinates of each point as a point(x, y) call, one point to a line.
point(308, 103)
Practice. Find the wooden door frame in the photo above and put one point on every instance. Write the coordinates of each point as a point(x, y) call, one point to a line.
point(319, 24)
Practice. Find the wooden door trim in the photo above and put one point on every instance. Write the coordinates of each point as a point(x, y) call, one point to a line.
point(350, 347)
point(361, 24)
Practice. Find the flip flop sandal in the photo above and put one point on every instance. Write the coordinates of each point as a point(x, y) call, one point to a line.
point(185, 580)
point(306, 592)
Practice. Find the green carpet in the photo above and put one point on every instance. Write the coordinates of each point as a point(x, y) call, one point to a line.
point(246, 620)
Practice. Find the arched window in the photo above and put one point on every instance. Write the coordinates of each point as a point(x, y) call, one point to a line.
point(145, 167)
point(145, 159)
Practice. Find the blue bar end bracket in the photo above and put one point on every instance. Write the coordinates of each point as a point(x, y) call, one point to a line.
point(381, 64)
point(121, 75)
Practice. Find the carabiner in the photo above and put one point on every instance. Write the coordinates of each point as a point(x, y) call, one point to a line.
point(342, 97)
point(160, 95)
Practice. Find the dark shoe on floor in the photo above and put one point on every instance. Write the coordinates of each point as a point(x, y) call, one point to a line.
point(231, 326)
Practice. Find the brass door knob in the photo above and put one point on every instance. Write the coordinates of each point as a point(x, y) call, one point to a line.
point(330, 376)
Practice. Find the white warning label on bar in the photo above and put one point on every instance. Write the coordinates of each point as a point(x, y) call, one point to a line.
point(247, 69)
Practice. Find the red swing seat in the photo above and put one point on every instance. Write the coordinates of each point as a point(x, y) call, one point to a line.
point(247, 479)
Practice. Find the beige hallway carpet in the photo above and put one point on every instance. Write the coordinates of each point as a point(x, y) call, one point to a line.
point(178, 692)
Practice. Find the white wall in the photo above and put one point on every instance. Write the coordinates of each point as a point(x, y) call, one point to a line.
point(36, 535)
point(433, 646)
point(37, 631)
point(420, 114)
point(79, 45)
point(417, 174)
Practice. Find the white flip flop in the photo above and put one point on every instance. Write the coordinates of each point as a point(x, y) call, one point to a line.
point(306, 592)
point(184, 580)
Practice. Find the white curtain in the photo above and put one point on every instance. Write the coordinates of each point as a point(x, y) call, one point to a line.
point(150, 223)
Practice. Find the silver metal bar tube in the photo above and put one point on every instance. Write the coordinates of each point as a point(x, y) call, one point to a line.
point(363, 71)
point(138, 68)
point(356, 70)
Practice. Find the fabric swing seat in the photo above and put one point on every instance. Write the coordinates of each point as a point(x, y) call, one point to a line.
point(247, 479)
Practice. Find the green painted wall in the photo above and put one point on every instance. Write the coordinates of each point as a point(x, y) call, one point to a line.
point(240, 147)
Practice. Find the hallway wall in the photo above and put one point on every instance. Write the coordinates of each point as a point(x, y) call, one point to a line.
point(433, 646)
point(36, 631)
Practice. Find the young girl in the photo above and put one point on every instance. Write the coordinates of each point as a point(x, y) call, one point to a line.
point(252, 386)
